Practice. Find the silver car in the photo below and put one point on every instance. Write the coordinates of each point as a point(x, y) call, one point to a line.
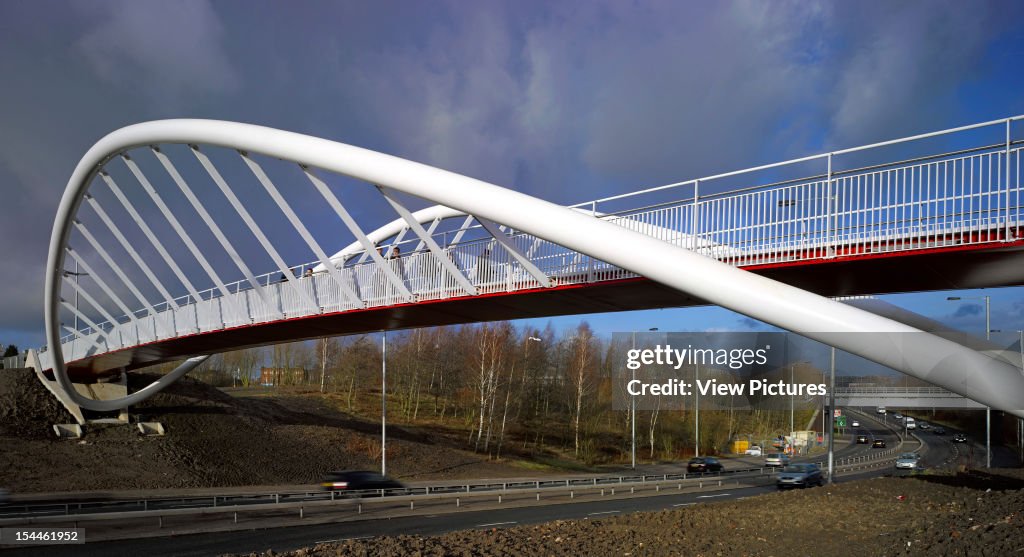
point(776, 459)
point(799, 475)
point(907, 461)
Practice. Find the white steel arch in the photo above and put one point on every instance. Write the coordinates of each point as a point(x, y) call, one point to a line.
point(440, 212)
point(939, 361)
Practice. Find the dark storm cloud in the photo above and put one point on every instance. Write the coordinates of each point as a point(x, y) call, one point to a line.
point(167, 51)
point(568, 101)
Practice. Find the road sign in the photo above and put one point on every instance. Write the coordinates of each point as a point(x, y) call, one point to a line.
point(837, 412)
point(841, 421)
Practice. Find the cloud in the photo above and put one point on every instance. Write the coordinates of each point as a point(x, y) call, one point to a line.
point(682, 99)
point(567, 101)
point(968, 310)
point(166, 49)
point(752, 324)
point(901, 72)
point(474, 99)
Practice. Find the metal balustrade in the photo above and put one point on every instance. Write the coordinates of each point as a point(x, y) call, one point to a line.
point(956, 198)
point(949, 201)
point(894, 391)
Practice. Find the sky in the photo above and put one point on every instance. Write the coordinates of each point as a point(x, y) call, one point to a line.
point(566, 101)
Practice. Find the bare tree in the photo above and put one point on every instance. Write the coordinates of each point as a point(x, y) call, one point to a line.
point(357, 362)
point(582, 370)
point(488, 358)
point(654, 424)
point(327, 350)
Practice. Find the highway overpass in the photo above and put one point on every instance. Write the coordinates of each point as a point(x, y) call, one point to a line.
point(902, 397)
point(166, 279)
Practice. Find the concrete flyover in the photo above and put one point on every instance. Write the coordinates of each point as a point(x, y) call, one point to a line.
point(903, 397)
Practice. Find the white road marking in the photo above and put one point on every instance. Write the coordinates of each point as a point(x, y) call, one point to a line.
point(719, 495)
point(495, 524)
point(683, 504)
point(604, 512)
point(344, 539)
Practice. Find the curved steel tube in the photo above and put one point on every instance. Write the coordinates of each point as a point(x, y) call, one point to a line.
point(428, 214)
point(390, 229)
point(939, 361)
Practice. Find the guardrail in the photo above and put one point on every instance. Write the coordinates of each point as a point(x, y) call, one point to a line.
point(298, 500)
point(275, 498)
point(13, 362)
point(458, 496)
point(160, 507)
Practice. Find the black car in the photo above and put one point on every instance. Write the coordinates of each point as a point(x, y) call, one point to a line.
point(878, 444)
point(959, 438)
point(704, 464)
point(862, 439)
point(939, 430)
point(358, 480)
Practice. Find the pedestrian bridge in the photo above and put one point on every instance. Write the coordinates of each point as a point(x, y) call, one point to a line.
point(182, 238)
point(902, 397)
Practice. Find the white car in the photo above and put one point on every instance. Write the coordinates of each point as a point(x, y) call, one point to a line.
point(907, 461)
point(754, 450)
point(854, 423)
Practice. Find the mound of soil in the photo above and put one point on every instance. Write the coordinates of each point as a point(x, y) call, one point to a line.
point(27, 409)
point(969, 514)
point(213, 440)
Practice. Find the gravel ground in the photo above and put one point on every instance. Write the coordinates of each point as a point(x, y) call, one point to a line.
point(213, 440)
point(969, 514)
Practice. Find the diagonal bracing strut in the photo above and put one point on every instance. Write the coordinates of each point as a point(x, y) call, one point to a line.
point(424, 237)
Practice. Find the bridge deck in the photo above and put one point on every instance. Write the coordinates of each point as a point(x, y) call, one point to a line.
point(950, 220)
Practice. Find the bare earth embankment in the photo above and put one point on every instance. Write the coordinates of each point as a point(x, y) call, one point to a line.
point(214, 440)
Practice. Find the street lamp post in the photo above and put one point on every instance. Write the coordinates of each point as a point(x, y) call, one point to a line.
point(633, 414)
point(75, 274)
point(831, 409)
point(824, 407)
point(1020, 421)
point(383, 404)
point(632, 410)
point(792, 425)
point(988, 409)
point(696, 410)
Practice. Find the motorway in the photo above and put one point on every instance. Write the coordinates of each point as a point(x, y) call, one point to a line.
point(290, 538)
point(432, 522)
point(56, 505)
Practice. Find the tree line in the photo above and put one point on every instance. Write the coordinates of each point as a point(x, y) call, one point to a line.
point(504, 388)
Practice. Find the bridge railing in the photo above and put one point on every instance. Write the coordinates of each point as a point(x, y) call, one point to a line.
point(959, 198)
point(894, 391)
